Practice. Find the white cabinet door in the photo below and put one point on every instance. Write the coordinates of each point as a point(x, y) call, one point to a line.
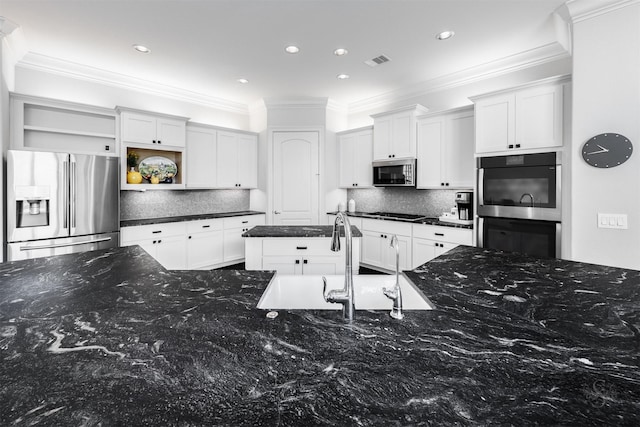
point(431, 138)
point(458, 161)
point(201, 158)
point(227, 160)
point(495, 123)
point(171, 252)
point(355, 154)
point(248, 161)
point(170, 132)
point(373, 252)
point(283, 264)
point(319, 265)
point(236, 160)
point(424, 250)
point(539, 117)
point(204, 250)
point(138, 128)
point(382, 135)
point(233, 244)
point(403, 142)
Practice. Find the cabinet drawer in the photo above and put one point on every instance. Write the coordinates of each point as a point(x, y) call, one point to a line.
point(204, 225)
point(142, 232)
point(460, 236)
point(245, 221)
point(387, 227)
point(309, 246)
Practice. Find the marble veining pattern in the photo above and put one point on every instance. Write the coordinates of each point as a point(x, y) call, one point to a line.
point(297, 231)
point(181, 218)
point(111, 338)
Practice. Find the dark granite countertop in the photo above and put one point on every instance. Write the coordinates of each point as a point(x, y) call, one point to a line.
point(297, 231)
point(111, 338)
point(164, 220)
point(429, 221)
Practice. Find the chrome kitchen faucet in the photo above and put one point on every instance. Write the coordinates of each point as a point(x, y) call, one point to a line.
point(395, 294)
point(343, 296)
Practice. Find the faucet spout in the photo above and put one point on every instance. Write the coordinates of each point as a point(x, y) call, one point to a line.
point(344, 296)
point(395, 294)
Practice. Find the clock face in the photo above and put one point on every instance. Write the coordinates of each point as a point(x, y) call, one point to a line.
point(607, 150)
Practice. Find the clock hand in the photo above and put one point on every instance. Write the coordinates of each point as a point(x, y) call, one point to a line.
point(598, 152)
point(604, 150)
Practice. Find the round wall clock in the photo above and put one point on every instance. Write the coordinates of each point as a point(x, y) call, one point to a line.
point(607, 150)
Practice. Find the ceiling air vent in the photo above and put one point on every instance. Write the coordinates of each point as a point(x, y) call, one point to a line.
point(377, 61)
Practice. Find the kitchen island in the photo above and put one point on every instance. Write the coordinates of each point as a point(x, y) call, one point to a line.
point(111, 338)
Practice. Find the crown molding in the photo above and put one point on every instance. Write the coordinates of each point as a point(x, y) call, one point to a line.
point(6, 27)
point(296, 102)
point(531, 58)
point(39, 62)
point(580, 10)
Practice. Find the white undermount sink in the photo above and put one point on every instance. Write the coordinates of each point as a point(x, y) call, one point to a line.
point(290, 292)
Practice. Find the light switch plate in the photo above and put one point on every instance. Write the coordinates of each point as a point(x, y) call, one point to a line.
point(606, 220)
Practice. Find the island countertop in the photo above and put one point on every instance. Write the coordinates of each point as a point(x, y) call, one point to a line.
point(111, 338)
point(297, 231)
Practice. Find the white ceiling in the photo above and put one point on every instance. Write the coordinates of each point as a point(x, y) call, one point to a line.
point(205, 46)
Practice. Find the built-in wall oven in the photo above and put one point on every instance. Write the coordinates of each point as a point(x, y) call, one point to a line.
point(519, 203)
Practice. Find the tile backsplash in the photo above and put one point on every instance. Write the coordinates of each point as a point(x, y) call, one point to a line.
point(159, 204)
point(407, 200)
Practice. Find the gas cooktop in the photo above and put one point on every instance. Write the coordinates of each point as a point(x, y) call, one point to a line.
point(390, 215)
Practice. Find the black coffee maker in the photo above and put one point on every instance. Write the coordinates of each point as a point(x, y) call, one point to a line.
point(464, 203)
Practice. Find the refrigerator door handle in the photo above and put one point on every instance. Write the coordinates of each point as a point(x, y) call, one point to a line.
point(62, 245)
point(72, 204)
point(65, 192)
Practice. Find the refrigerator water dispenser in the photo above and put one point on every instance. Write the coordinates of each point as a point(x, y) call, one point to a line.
point(32, 206)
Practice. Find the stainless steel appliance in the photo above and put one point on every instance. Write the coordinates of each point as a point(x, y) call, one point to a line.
point(60, 203)
point(394, 173)
point(519, 203)
point(523, 186)
point(464, 205)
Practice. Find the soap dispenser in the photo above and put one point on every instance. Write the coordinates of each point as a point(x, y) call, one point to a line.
point(352, 205)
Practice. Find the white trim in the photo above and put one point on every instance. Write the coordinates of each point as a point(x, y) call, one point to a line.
point(581, 10)
point(38, 62)
point(533, 57)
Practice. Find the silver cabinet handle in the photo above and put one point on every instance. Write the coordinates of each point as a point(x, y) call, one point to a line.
point(277, 212)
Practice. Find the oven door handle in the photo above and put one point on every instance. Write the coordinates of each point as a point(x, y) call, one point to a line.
point(480, 235)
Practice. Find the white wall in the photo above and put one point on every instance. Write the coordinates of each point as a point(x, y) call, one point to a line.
point(606, 98)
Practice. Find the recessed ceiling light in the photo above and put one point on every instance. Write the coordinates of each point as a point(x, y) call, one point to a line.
point(142, 49)
point(342, 76)
point(292, 49)
point(340, 51)
point(445, 35)
point(242, 80)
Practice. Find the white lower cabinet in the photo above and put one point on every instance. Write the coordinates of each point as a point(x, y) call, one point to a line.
point(376, 244)
point(165, 242)
point(205, 244)
point(234, 227)
point(193, 245)
point(304, 255)
point(430, 241)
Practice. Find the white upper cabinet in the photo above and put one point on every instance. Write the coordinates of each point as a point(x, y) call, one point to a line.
point(153, 129)
point(201, 161)
point(394, 133)
point(50, 125)
point(355, 153)
point(445, 150)
point(528, 118)
point(236, 160)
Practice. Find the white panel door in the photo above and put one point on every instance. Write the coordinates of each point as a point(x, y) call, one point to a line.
point(295, 177)
point(200, 169)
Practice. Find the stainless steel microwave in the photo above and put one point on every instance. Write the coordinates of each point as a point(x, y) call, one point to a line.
point(394, 173)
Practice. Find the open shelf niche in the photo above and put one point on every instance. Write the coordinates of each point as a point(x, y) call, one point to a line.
point(175, 156)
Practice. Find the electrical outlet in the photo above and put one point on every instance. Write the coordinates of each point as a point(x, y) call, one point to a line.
point(606, 220)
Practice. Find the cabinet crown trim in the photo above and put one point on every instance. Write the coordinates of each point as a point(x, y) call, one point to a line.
point(548, 81)
point(420, 109)
point(465, 109)
point(197, 125)
point(121, 109)
point(360, 129)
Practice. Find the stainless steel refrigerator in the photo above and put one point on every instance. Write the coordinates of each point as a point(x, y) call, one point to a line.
point(60, 203)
